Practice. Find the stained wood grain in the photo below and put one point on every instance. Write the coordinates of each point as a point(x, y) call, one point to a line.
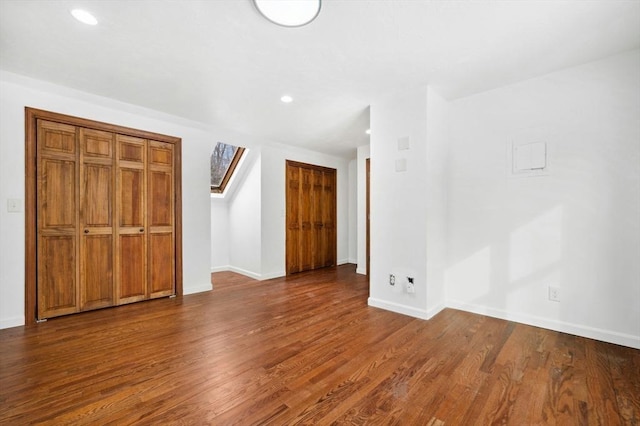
point(306, 349)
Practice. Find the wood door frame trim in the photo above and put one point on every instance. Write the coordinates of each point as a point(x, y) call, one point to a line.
point(32, 115)
point(311, 166)
point(368, 214)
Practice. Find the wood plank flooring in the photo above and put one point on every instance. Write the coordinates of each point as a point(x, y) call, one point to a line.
point(306, 350)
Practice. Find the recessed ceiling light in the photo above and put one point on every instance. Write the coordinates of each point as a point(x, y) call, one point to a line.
point(289, 13)
point(84, 17)
point(286, 99)
point(368, 131)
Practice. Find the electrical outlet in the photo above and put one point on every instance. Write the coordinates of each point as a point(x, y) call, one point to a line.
point(392, 279)
point(411, 287)
point(554, 294)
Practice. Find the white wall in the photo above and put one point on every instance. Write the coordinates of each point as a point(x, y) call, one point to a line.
point(364, 152)
point(577, 228)
point(245, 221)
point(399, 203)
point(437, 167)
point(18, 92)
point(219, 235)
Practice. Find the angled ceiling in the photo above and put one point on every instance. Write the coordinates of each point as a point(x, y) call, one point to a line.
point(221, 63)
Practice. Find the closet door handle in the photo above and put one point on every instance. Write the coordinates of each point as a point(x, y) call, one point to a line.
point(86, 231)
point(141, 229)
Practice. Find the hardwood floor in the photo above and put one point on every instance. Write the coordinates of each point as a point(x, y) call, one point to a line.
point(306, 350)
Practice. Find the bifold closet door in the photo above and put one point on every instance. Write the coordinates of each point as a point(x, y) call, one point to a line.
point(102, 216)
point(310, 217)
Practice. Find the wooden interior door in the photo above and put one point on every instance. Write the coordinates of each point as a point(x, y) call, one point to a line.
point(57, 219)
point(310, 217)
point(131, 234)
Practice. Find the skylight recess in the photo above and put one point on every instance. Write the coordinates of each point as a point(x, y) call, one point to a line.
point(224, 159)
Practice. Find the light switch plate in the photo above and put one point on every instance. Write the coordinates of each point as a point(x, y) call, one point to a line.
point(528, 159)
point(404, 143)
point(531, 156)
point(14, 205)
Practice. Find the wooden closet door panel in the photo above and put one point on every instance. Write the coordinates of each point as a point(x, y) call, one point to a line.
point(318, 246)
point(57, 195)
point(97, 244)
point(96, 143)
point(57, 254)
point(162, 265)
point(96, 274)
point(131, 262)
point(131, 198)
point(328, 203)
point(160, 198)
point(293, 219)
point(97, 196)
point(57, 283)
point(160, 219)
point(132, 268)
point(57, 220)
point(306, 217)
point(56, 139)
point(161, 154)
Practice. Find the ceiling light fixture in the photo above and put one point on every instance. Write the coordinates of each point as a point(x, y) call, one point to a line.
point(286, 99)
point(289, 13)
point(368, 131)
point(84, 17)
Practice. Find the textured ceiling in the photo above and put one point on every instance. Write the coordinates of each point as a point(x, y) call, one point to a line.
point(220, 62)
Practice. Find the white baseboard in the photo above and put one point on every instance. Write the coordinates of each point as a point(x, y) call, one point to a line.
point(244, 272)
point(220, 268)
point(561, 326)
point(197, 289)
point(272, 275)
point(11, 322)
point(435, 310)
point(361, 271)
point(342, 262)
point(406, 310)
point(398, 308)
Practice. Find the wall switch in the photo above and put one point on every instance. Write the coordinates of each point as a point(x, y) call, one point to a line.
point(401, 165)
point(554, 294)
point(404, 143)
point(14, 205)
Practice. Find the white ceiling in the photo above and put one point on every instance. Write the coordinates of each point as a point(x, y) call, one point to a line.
point(220, 62)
